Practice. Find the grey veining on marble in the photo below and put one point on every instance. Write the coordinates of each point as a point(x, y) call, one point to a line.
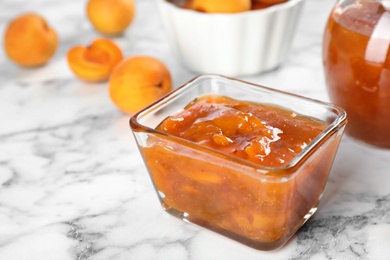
point(73, 185)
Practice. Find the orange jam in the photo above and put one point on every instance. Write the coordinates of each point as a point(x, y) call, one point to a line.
point(267, 135)
point(217, 189)
point(357, 68)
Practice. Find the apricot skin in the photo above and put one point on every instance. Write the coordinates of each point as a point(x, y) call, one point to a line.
point(29, 41)
point(268, 2)
point(137, 82)
point(221, 6)
point(95, 62)
point(111, 17)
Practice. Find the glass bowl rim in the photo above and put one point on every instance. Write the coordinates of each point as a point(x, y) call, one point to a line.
point(333, 127)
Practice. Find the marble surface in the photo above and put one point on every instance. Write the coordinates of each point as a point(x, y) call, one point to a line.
point(73, 185)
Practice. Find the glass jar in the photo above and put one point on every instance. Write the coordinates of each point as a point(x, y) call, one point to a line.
point(356, 58)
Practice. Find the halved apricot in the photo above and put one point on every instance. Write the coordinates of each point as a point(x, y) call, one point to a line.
point(96, 61)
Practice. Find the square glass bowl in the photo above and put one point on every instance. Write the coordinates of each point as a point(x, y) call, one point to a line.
point(235, 44)
point(259, 206)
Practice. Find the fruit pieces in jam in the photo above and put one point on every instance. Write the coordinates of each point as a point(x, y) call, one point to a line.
point(260, 207)
point(269, 136)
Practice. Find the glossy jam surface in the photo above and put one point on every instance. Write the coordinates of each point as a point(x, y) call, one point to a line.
point(260, 207)
point(270, 136)
point(357, 68)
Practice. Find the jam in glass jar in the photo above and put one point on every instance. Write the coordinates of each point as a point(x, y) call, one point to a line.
point(356, 56)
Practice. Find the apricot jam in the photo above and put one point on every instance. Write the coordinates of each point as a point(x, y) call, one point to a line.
point(270, 136)
point(224, 164)
point(357, 68)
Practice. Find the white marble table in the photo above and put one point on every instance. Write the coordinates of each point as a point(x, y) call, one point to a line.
point(73, 185)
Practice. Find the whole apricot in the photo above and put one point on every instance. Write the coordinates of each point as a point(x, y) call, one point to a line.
point(137, 82)
point(111, 17)
point(96, 61)
point(221, 6)
point(29, 41)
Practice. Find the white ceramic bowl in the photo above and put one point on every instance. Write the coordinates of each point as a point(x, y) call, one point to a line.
point(231, 44)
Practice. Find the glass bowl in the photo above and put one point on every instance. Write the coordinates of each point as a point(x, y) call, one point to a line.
point(259, 206)
point(236, 44)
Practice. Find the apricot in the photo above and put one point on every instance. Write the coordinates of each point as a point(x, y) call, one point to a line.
point(258, 6)
point(221, 6)
point(96, 61)
point(137, 82)
point(111, 17)
point(268, 2)
point(29, 41)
